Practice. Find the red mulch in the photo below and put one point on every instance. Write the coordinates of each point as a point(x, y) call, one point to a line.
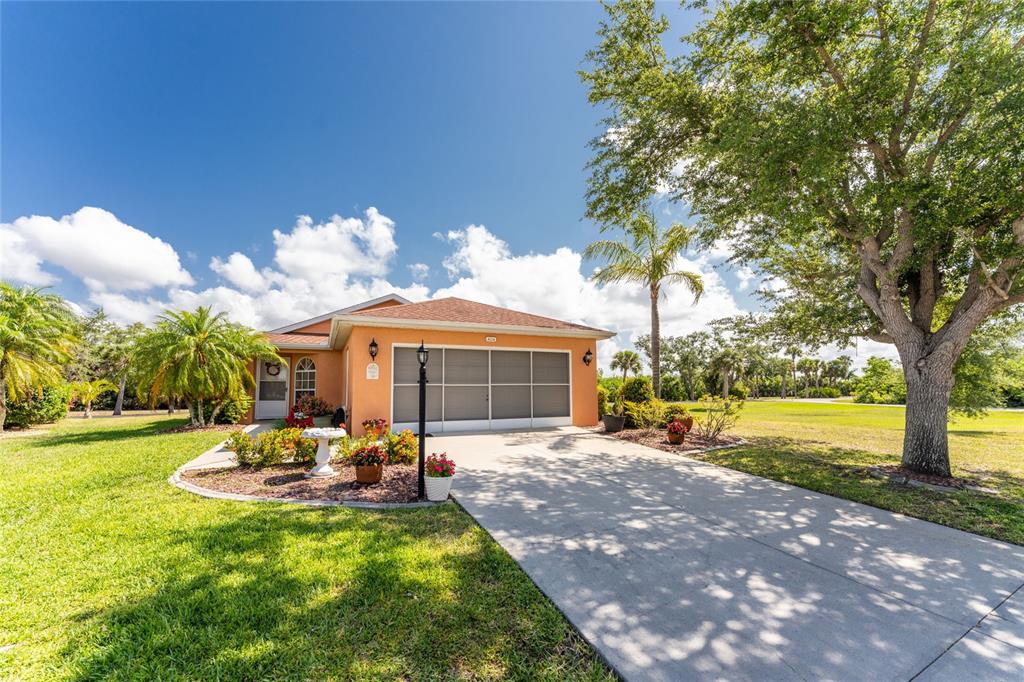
point(398, 484)
point(188, 428)
point(659, 440)
point(896, 471)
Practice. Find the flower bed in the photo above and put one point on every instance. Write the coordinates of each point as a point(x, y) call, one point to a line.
point(398, 483)
point(659, 440)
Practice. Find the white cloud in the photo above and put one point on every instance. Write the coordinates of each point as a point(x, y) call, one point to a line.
point(18, 263)
point(745, 275)
point(239, 270)
point(94, 245)
point(419, 271)
point(341, 247)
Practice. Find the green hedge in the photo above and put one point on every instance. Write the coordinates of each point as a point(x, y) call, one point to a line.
point(45, 407)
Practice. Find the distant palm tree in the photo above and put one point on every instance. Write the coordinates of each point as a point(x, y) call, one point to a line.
point(38, 334)
point(647, 255)
point(627, 361)
point(201, 358)
point(727, 363)
point(86, 392)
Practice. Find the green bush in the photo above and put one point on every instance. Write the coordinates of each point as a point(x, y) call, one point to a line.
point(43, 407)
point(823, 392)
point(648, 416)
point(403, 448)
point(675, 410)
point(881, 383)
point(638, 390)
point(739, 391)
point(672, 388)
point(271, 447)
point(602, 401)
point(315, 406)
point(232, 413)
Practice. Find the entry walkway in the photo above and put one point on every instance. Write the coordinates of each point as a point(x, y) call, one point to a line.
point(678, 570)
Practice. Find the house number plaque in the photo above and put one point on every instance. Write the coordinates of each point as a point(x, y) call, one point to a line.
point(373, 371)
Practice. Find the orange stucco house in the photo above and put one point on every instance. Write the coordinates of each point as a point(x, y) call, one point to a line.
point(489, 367)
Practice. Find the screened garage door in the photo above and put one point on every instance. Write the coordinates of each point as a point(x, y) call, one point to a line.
point(478, 389)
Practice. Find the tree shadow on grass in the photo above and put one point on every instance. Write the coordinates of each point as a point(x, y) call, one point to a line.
point(60, 438)
point(312, 594)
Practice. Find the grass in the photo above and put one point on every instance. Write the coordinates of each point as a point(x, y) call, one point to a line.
point(827, 447)
point(107, 571)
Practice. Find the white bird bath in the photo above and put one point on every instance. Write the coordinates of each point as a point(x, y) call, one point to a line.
point(323, 450)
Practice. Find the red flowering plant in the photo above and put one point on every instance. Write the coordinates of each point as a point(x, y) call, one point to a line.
point(375, 428)
point(439, 466)
point(368, 455)
point(297, 419)
point(677, 427)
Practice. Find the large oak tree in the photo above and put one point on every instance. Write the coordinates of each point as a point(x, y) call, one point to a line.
point(868, 153)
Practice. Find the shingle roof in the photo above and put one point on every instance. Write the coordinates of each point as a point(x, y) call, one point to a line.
point(460, 310)
point(300, 339)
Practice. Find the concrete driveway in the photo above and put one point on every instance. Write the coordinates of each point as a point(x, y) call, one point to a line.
point(677, 570)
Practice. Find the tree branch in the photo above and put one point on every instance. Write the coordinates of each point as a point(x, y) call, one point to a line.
point(908, 94)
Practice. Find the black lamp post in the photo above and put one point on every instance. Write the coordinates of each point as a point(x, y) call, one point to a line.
point(422, 354)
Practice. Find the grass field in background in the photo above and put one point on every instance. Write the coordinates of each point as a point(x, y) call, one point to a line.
point(828, 446)
point(109, 572)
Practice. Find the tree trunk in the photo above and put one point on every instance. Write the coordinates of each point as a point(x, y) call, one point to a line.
point(725, 385)
point(3, 399)
point(170, 406)
point(119, 403)
point(88, 411)
point(925, 439)
point(655, 344)
point(782, 383)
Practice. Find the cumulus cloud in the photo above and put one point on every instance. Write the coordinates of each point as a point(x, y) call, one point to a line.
point(317, 267)
point(419, 271)
point(93, 245)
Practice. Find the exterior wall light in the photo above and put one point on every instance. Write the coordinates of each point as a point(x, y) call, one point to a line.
point(588, 357)
point(373, 348)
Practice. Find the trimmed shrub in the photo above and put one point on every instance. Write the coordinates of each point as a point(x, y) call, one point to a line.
point(43, 407)
point(823, 392)
point(314, 406)
point(675, 411)
point(648, 416)
point(271, 447)
point(637, 390)
point(602, 401)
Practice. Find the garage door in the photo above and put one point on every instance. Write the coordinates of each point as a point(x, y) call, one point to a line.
point(478, 389)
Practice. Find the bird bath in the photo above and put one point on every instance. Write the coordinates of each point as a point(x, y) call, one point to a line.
point(323, 450)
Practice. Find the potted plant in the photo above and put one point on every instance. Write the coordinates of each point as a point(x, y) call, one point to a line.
point(369, 462)
point(376, 429)
point(677, 429)
point(615, 421)
point(439, 470)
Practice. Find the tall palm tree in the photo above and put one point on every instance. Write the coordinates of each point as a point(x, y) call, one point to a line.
point(647, 255)
point(627, 361)
point(201, 358)
point(38, 334)
point(86, 392)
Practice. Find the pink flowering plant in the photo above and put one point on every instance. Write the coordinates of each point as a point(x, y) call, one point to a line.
point(439, 466)
point(368, 455)
point(677, 427)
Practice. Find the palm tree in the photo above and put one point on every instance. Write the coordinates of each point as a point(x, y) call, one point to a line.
point(647, 255)
point(38, 334)
point(627, 361)
point(86, 392)
point(726, 363)
point(201, 358)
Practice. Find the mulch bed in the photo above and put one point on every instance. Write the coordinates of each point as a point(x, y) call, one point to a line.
point(898, 474)
point(188, 428)
point(398, 484)
point(659, 440)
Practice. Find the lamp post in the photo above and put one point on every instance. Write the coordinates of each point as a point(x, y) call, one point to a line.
point(422, 354)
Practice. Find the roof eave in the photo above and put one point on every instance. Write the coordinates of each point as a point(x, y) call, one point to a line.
point(351, 309)
point(349, 321)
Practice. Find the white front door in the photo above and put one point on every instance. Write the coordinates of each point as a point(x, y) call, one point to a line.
point(271, 391)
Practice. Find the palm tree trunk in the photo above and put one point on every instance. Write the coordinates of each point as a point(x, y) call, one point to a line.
point(170, 406)
point(655, 344)
point(3, 397)
point(119, 403)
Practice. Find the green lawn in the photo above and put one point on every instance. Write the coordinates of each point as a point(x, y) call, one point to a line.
point(828, 446)
point(107, 571)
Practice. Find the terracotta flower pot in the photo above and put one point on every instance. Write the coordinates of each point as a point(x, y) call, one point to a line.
point(676, 438)
point(687, 421)
point(370, 473)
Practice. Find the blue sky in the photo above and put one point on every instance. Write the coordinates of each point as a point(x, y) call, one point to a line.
point(200, 128)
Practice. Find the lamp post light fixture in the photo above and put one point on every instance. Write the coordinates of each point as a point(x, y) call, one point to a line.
point(422, 355)
point(588, 357)
point(373, 349)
